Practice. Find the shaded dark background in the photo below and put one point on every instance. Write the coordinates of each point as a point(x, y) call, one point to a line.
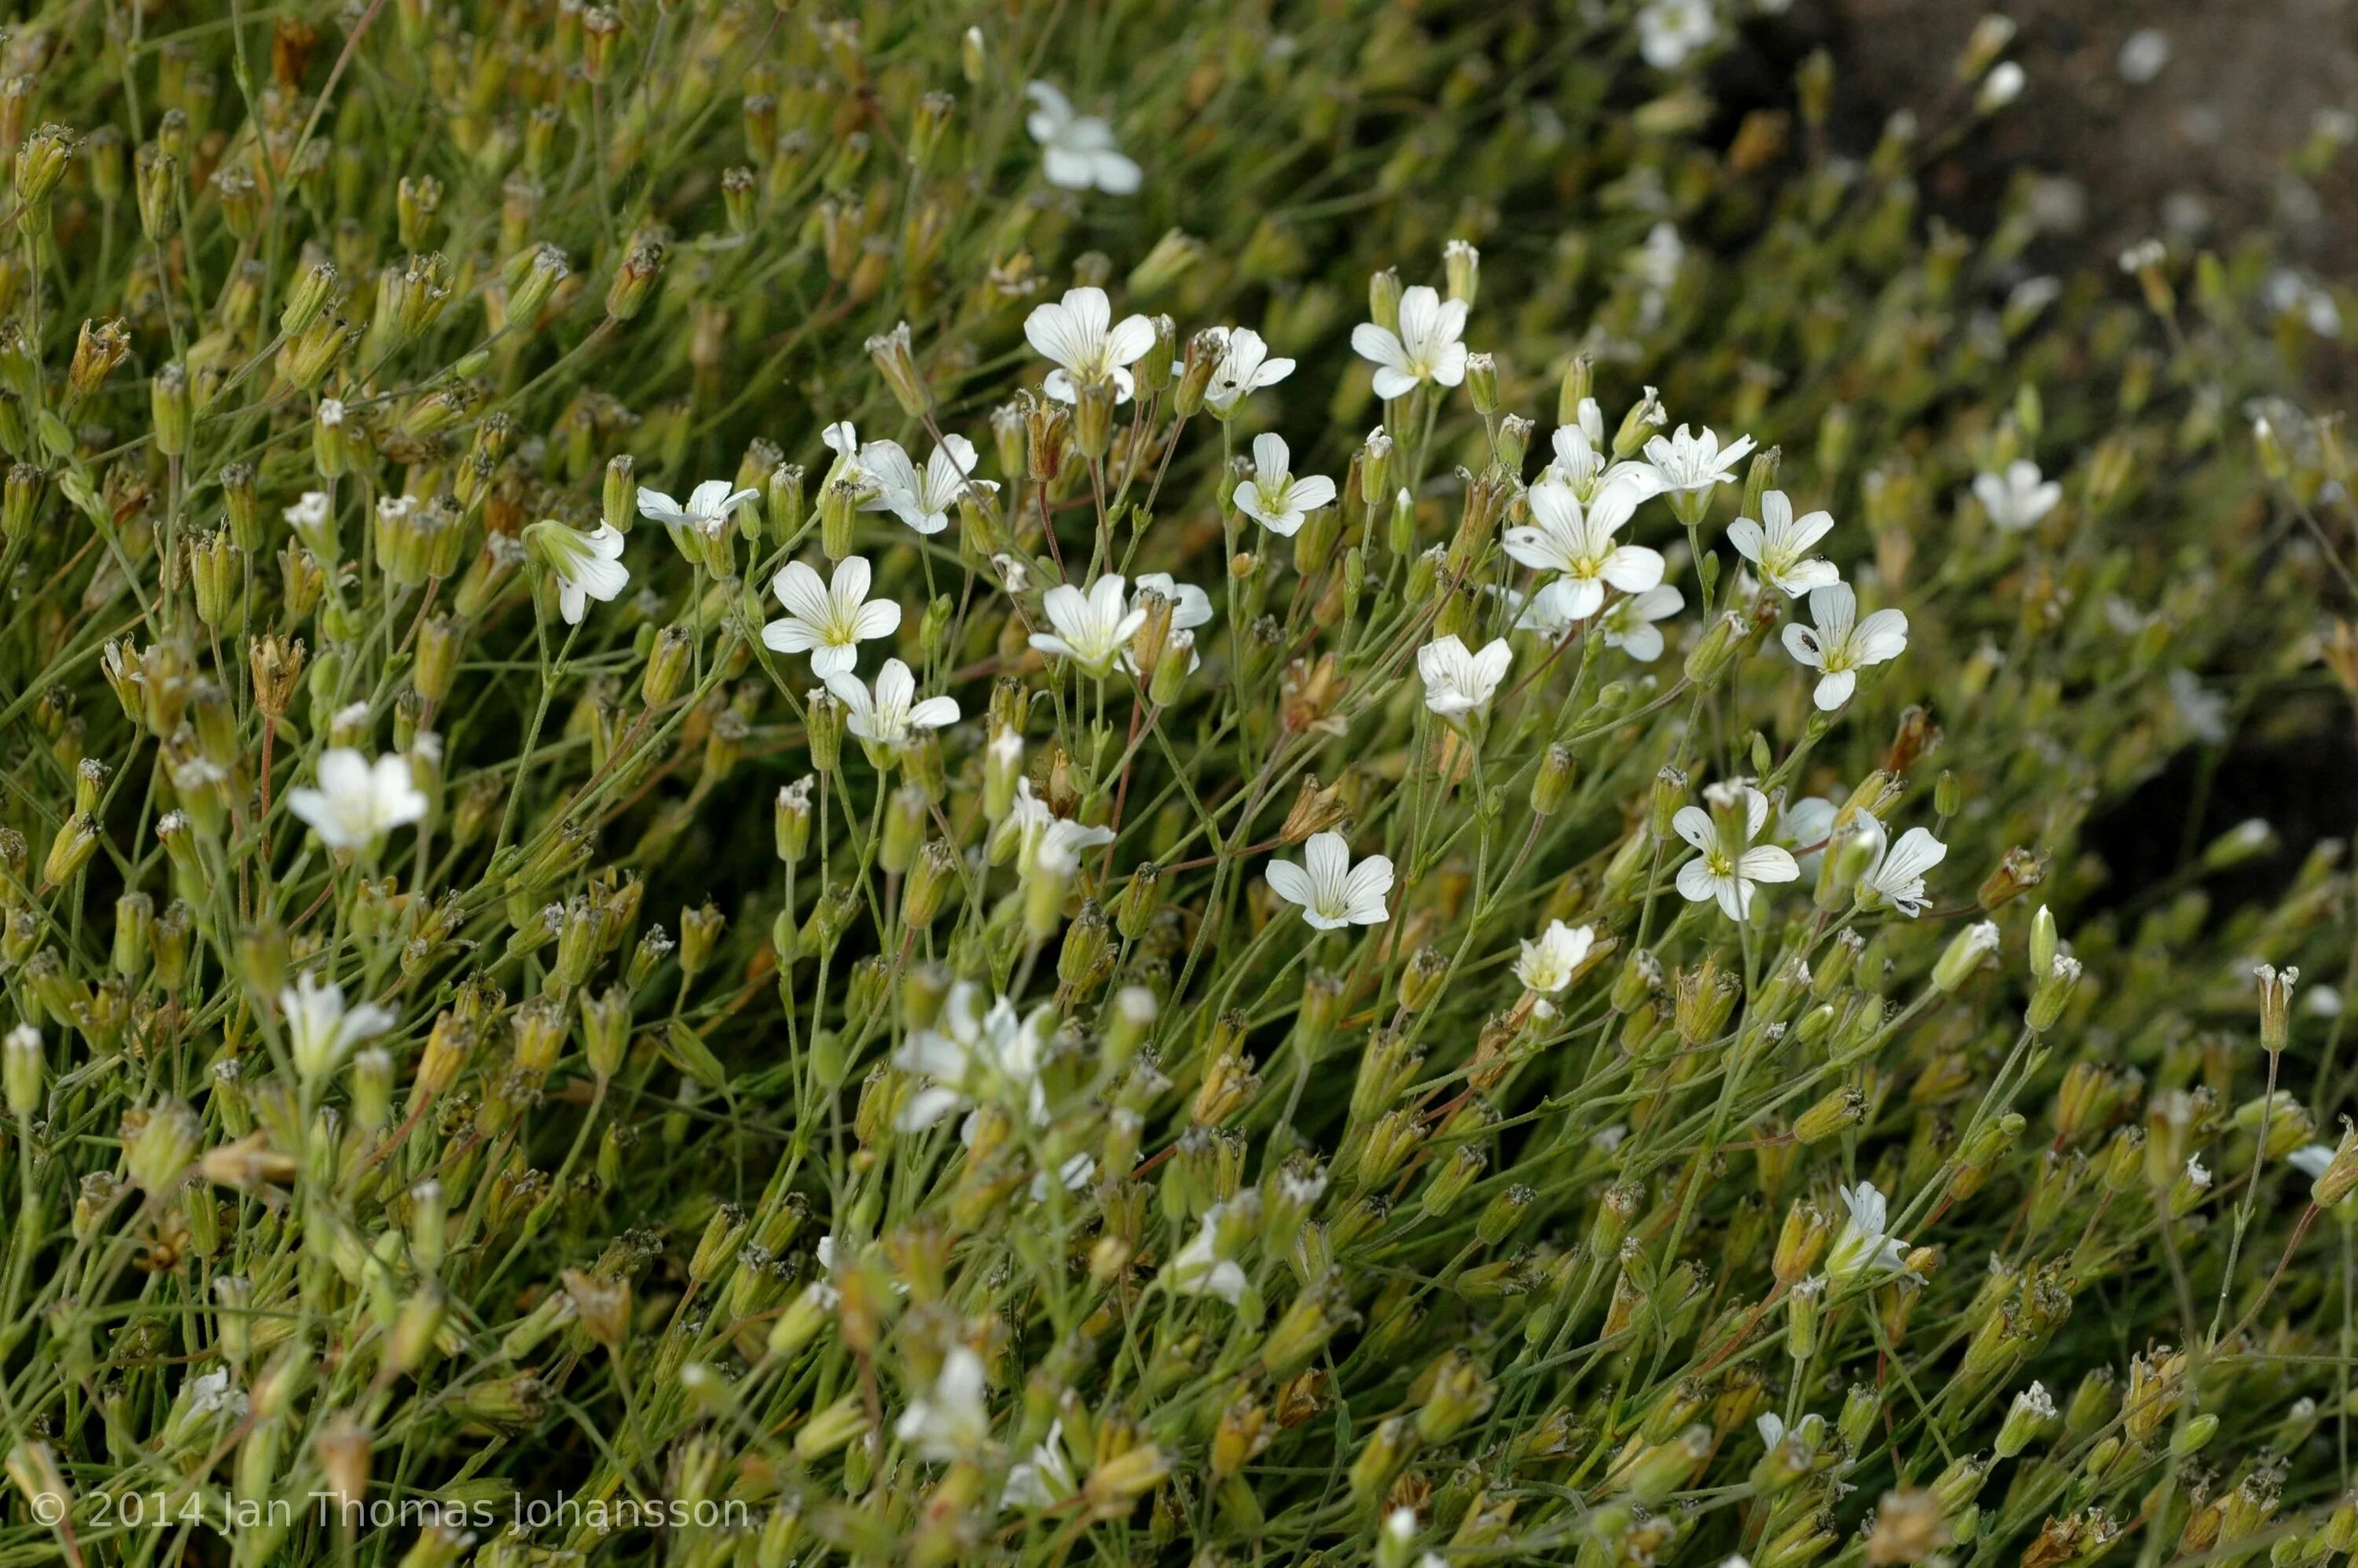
point(2192, 154)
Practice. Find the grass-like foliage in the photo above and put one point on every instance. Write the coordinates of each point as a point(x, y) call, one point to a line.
point(1158, 781)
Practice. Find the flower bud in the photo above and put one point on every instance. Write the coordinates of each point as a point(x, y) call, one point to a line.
point(2276, 1005)
point(1966, 953)
point(1482, 382)
point(633, 282)
point(23, 1071)
point(161, 1150)
point(897, 364)
point(167, 401)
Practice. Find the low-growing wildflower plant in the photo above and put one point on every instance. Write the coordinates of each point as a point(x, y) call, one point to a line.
point(1384, 800)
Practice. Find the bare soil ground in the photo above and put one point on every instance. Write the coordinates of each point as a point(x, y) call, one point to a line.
point(2191, 150)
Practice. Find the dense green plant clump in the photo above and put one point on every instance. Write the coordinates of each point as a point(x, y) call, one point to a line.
point(1165, 781)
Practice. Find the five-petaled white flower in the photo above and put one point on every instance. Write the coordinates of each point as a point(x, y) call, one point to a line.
point(1080, 334)
point(1332, 892)
point(1582, 455)
point(1692, 461)
point(1576, 541)
point(1198, 1269)
point(1842, 644)
point(973, 1052)
point(1670, 30)
point(320, 1029)
point(1076, 151)
point(1190, 607)
point(1038, 834)
point(1244, 369)
point(2311, 1159)
point(1535, 614)
point(1725, 869)
point(920, 499)
point(1458, 680)
point(951, 1422)
point(1862, 1245)
point(1045, 1478)
point(828, 620)
point(586, 566)
point(842, 438)
point(709, 505)
point(1425, 348)
point(1629, 623)
point(1896, 877)
point(1806, 824)
point(1778, 545)
point(2020, 497)
point(1546, 965)
point(312, 518)
point(215, 1393)
point(357, 804)
point(889, 717)
point(1091, 629)
point(1274, 497)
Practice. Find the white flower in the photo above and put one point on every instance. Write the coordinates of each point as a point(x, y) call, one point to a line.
point(214, 1393)
point(1535, 614)
point(1077, 1171)
point(2311, 1159)
point(1724, 871)
point(1080, 334)
point(1805, 824)
point(1779, 546)
point(1426, 347)
point(828, 620)
point(2142, 54)
point(1190, 607)
point(310, 509)
point(1457, 681)
point(1655, 264)
point(975, 1053)
point(1244, 369)
point(1771, 1428)
point(320, 1029)
point(1842, 644)
point(2203, 712)
point(1332, 892)
point(709, 505)
point(1670, 30)
point(1629, 623)
point(1045, 1478)
point(2001, 87)
point(1076, 151)
point(1198, 1270)
point(1545, 967)
point(951, 1422)
point(1091, 629)
point(587, 566)
point(1862, 1245)
point(843, 439)
point(2198, 1175)
point(888, 717)
point(1581, 454)
point(1577, 541)
point(356, 804)
point(1896, 875)
point(923, 501)
point(1693, 463)
point(2019, 498)
point(1038, 833)
point(1274, 497)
